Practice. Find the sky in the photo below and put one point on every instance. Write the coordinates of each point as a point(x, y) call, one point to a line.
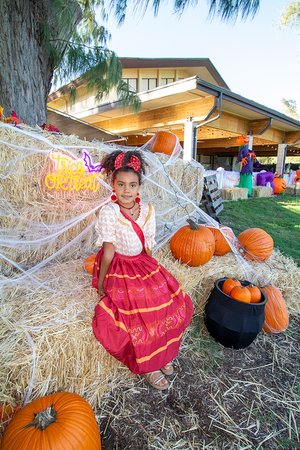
point(256, 58)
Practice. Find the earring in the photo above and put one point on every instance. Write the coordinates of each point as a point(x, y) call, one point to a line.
point(113, 196)
point(137, 199)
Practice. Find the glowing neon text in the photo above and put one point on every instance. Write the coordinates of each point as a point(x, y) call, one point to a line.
point(70, 175)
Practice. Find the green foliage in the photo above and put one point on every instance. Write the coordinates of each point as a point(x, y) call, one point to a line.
point(83, 52)
point(291, 108)
point(229, 10)
point(225, 9)
point(291, 15)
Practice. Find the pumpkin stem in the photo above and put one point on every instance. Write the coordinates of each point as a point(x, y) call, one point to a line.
point(43, 419)
point(192, 224)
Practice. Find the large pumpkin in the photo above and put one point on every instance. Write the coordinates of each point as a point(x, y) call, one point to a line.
point(89, 263)
point(255, 244)
point(55, 422)
point(221, 245)
point(193, 244)
point(276, 313)
point(164, 142)
point(279, 185)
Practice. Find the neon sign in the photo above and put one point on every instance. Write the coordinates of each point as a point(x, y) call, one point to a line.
point(71, 173)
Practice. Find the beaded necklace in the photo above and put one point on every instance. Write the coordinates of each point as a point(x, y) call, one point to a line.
point(130, 209)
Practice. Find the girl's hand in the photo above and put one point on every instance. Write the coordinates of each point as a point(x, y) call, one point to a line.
point(101, 292)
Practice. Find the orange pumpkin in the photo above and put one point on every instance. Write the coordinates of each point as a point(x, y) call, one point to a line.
point(164, 142)
point(61, 420)
point(276, 313)
point(255, 244)
point(241, 293)
point(221, 245)
point(229, 284)
point(193, 244)
point(279, 185)
point(89, 264)
point(255, 293)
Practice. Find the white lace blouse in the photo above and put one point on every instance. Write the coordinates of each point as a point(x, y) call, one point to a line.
point(112, 226)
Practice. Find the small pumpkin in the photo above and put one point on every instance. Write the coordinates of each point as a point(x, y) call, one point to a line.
point(255, 244)
point(221, 245)
point(276, 313)
point(254, 292)
point(279, 185)
point(193, 244)
point(164, 142)
point(241, 293)
point(229, 284)
point(60, 420)
point(89, 263)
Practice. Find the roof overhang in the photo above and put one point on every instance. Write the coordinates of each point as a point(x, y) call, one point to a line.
point(189, 89)
point(72, 125)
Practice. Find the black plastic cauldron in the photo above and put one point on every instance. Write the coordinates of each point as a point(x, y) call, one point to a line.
point(230, 322)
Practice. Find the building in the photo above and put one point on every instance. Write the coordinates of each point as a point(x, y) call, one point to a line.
point(189, 98)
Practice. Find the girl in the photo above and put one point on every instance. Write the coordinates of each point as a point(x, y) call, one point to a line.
point(143, 311)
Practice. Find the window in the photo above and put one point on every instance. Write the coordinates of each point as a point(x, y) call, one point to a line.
point(149, 83)
point(131, 83)
point(167, 81)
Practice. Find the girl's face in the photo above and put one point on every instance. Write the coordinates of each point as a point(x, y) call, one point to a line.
point(126, 186)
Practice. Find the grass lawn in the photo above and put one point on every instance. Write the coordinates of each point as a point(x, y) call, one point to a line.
point(279, 216)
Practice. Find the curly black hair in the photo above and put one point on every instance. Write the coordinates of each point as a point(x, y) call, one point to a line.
point(108, 163)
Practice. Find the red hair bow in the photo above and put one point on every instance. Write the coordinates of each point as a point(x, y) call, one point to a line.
point(119, 160)
point(135, 163)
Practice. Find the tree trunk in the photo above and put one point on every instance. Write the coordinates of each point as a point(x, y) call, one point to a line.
point(26, 66)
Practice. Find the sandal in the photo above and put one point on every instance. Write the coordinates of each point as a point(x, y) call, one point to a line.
point(156, 381)
point(168, 369)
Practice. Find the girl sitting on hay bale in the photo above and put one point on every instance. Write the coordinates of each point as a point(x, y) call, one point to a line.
point(143, 312)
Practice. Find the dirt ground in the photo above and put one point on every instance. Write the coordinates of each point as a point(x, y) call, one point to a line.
point(219, 398)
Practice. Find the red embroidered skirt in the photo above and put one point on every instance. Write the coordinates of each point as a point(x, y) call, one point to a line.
point(141, 319)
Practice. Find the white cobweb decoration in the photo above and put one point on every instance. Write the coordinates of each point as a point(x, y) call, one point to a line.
point(40, 226)
point(46, 232)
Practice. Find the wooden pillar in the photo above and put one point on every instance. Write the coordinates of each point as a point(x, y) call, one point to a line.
point(189, 139)
point(281, 154)
point(250, 143)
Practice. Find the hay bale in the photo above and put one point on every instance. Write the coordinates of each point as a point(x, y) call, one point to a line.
point(235, 193)
point(46, 337)
point(291, 190)
point(262, 191)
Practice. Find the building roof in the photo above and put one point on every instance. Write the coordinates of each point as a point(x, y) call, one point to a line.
point(160, 63)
